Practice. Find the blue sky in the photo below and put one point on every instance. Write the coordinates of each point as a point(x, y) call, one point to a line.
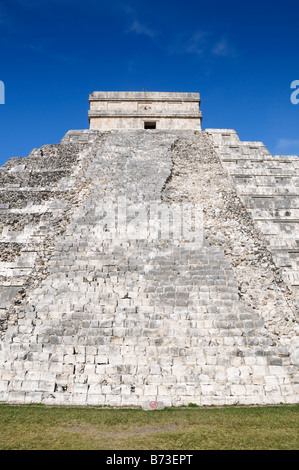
point(240, 56)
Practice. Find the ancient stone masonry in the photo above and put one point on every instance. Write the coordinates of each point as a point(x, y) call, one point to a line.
point(99, 308)
point(144, 110)
point(37, 196)
point(268, 185)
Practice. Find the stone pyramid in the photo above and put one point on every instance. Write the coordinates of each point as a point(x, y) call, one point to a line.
point(99, 308)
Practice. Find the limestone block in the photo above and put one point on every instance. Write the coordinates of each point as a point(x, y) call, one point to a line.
point(152, 405)
point(16, 398)
point(95, 400)
point(295, 357)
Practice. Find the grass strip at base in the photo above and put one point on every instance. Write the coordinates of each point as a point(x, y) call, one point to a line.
point(33, 427)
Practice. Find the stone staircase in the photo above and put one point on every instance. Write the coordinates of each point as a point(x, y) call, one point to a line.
point(37, 194)
point(268, 185)
point(127, 312)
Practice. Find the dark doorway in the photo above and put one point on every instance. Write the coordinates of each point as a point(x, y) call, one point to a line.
point(150, 125)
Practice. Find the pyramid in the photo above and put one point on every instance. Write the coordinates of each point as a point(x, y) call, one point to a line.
point(144, 265)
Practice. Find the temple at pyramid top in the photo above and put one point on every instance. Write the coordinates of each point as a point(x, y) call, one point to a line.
point(144, 110)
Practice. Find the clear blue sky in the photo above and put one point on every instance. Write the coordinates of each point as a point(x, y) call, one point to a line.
point(242, 56)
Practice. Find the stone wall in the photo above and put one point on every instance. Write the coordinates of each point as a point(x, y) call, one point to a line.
point(162, 122)
point(268, 185)
point(130, 110)
point(118, 317)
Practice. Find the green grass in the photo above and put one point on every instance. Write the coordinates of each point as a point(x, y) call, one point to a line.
point(230, 428)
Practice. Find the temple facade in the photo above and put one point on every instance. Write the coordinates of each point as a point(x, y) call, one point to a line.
point(144, 110)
